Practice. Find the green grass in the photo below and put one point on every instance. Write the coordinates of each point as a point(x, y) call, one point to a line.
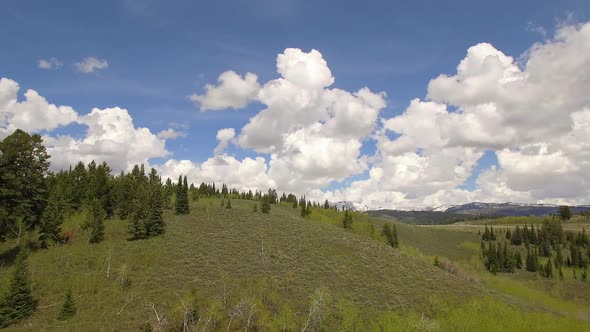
point(220, 262)
point(226, 256)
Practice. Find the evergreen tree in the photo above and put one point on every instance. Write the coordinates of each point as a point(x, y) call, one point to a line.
point(18, 302)
point(558, 257)
point(68, 309)
point(549, 269)
point(140, 205)
point(518, 260)
point(486, 234)
point(303, 208)
point(508, 234)
point(53, 217)
point(255, 208)
point(390, 233)
point(308, 210)
point(565, 212)
point(95, 221)
point(265, 205)
point(584, 274)
point(492, 235)
point(228, 205)
point(347, 221)
point(155, 220)
point(24, 163)
point(295, 203)
point(326, 204)
point(181, 203)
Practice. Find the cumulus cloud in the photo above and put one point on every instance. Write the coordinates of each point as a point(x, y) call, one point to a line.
point(171, 133)
point(111, 137)
point(52, 63)
point(232, 91)
point(247, 174)
point(32, 114)
point(535, 118)
point(91, 65)
point(224, 136)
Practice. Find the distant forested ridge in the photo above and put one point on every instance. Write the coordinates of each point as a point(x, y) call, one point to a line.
point(423, 217)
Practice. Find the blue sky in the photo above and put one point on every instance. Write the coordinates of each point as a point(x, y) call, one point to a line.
point(160, 52)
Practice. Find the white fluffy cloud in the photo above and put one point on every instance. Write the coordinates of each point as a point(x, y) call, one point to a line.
point(52, 63)
point(91, 65)
point(171, 133)
point(32, 114)
point(232, 91)
point(536, 118)
point(313, 133)
point(111, 137)
point(247, 174)
point(224, 136)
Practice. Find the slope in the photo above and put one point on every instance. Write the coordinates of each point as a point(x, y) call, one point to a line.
point(226, 257)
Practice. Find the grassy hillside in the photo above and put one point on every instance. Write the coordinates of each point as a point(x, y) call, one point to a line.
point(226, 257)
point(235, 269)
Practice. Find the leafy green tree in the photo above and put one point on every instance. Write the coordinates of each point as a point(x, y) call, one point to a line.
point(95, 221)
point(565, 213)
point(53, 217)
point(23, 190)
point(18, 302)
point(347, 221)
point(68, 309)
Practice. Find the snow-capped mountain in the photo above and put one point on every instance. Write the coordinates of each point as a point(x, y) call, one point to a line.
point(353, 206)
point(505, 209)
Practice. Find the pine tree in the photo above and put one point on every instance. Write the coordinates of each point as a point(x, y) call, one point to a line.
point(265, 205)
point(255, 208)
point(326, 204)
point(584, 274)
point(53, 217)
point(68, 309)
point(222, 202)
point(549, 269)
point(347, 221)
point(95, 221)
point(155, 220)
point(24, 164)
point(395, 237)
point(492, 234)
point(303, 208)
point(228, 205)
point(308, 210)
point(486, 234)
point(18, 302)
point(390, 233)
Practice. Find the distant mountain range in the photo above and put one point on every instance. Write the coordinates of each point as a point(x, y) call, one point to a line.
point(352, 206)
point(506, 209)
point(446, 214)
